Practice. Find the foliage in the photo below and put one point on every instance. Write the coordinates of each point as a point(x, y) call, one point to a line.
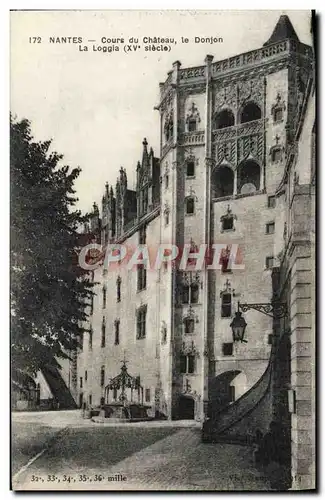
point(49, 290)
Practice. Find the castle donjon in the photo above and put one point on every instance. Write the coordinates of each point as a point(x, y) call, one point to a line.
point(236, 167)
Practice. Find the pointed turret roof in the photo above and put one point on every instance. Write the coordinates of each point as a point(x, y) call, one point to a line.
point(282, 31)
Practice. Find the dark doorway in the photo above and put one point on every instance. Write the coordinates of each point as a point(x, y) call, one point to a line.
point(80, 400)
point(186, 408)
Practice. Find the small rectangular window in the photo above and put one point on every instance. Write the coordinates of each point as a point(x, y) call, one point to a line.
point(141, 322)
point(86, 375)
point(80, 382)
point(148, 396)
point(227, 349)
point(90, 399)
point(118, 289)
point(271, 200)
point(270, 228)
point(90, 339)
point(190, 169)
point(104, 297)
point(103, 339)
point(190, 206)
point(270, 338)
point(226, 305)
point(142, 277)
point(117, 332)
point(269, 262)
point(102, 377)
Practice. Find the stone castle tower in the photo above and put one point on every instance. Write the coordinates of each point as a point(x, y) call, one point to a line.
point(226, 128)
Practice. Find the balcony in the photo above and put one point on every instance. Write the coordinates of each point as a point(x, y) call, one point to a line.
point(193, 139)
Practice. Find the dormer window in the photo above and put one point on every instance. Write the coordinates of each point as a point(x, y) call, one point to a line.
point(227, 220)
point(188, 325)
point(193, 118)
point(226, 305)
point(228, 224)
point(278, 108)
point(192, 125)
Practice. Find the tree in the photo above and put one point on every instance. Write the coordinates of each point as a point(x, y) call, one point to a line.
point(49, 291)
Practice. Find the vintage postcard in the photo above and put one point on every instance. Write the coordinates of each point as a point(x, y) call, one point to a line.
point(163, 250)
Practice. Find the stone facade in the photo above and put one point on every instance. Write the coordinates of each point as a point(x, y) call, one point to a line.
point(228, 130)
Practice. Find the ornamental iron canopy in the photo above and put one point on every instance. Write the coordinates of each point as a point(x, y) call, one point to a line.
point(123, 381)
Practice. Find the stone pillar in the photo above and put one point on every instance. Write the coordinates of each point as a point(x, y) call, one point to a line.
point(207, 236)
point(302, 370)
point(173, 223)
point(235, 181)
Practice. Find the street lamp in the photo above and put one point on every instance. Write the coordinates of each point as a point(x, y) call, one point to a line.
point(238, 326)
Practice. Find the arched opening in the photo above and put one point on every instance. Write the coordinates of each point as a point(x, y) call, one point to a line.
point(222, 182)
point(221, 391)
point(248, 178)
point(250, 112)
point(224, 119)
point(186, 408)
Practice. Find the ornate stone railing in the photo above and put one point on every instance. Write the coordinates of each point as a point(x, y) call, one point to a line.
point(253, 127)
point(251, 57)
point(193, 138)
point(263, 54)
point(196, 72)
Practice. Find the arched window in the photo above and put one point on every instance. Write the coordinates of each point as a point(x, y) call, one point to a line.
point(250, 112)
point(249, 173)
point(224, 119)
point(222, 182)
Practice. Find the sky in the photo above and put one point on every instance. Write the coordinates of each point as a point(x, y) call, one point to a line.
point(97, 107)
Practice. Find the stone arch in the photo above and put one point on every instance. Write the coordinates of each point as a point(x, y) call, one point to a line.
point(222, 182)
point(249, 112)
point(220, 394)
point(248, 177)
point(224, 118)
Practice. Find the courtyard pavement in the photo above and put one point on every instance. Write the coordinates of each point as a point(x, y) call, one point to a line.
point(144, 456)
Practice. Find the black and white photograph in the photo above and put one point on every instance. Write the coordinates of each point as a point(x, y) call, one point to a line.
point(163, 250)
